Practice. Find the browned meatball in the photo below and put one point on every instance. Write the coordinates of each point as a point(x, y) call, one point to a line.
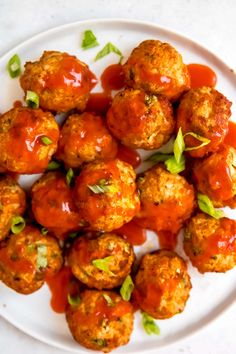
point(12, 203)
point(211, 244)
point(215, 176)
point(158, 68)
point(26, 258)
point(140, 120)
point(102, 321)
point(28, 139)
point(204, 111)
point(110, 250)
point(106, 195)
point(61, 81)
point(85, 138)
point(162, 284)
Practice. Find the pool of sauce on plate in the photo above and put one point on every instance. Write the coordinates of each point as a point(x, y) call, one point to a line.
point(230, 138)
point(201, 75)
point(133, 233)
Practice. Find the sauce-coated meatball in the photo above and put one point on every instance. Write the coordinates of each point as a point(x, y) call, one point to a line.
point(12, 203)
point(158, 68)
point(211, 244)
point(204, 111)
point(53, 205)
point(106, 196)
point(167, 200)
point(28, 139)
point(162, 284)
point(215, 176)
point(84, 251)
point(61, 81)
point(85, 138)
point(27, 258)
point(141, 120)
point(102, 321)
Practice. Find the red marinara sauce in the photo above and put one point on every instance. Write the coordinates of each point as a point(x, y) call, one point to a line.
point(113, 78)
point(201, 75)
point(230, 138)
point(99, 102)
point(133, 233)
point(128, 155)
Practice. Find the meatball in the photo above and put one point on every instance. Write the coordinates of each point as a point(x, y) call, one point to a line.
point(53, 205)
point(102, 320)
point(106, 196)
point(28, 139)
point(204, 111)
point(157, 68)
point(84, 251)
point(211, 244)
point(84, 138)
point(12, 203)
point(162, 284)
point(167, 201)
point(215, 176)
point(140, 120)
point(27, 258)
point(61, 81)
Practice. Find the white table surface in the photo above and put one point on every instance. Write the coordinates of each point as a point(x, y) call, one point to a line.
point(212, 23)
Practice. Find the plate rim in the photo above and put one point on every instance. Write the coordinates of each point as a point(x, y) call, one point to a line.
point(152, 25)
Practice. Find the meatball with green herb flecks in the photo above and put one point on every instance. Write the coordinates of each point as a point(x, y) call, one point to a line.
point(141, 120)
point(101, 262)
point(26, 258)
point(101, 321)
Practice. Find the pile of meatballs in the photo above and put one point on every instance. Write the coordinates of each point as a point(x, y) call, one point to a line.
point(106, 193)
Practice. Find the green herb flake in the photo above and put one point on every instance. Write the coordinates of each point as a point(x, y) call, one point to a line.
point(42, 261)
point(73, 234)
point(70, 177)
point(205, 204)
point(73, 300)
point(149, 325)
point(14, 66)
point(179, 146)
point(107, 49)
point(173, 166)
point(100, 342)
point(101, 187)
point(126, 288)
point(44, 231)
point(32, 99)
point(46, 141)
point(89, 40)
point(103, 264)
point(108, 300)
point(53, 165)
point(17, 224)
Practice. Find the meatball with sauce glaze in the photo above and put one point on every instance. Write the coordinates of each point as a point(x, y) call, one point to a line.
point(53, 206)
point(102, 321)
point(84, 138)
point(204, 111)
point(158, 68)
point(61, 81)
point(27, 258)
point(28, 139)
point(215, 176)
point(167, 201)
point(85, 250)
point(12, 203)
point(141, 120)
point(162, 284)
point(106, 196)
point(211, 244)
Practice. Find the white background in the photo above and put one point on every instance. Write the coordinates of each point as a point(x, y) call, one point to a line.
point(212, 23)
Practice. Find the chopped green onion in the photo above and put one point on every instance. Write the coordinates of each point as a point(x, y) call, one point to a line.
point(158, 157)
point(46, 141)
point(32, 99)
point(173, 166)
point(126, 288)
point(73, 234)
point(73, 300)
point(89, 40)
point(108, 300)
point(204, 141)
point(205, 204)
point(101, 187)
point(44, 231)
point(53, 165)
point(42, 261)
point(103, 264)
point(17, 224)
point(179, 146)
point(69, 177)
point(100, 342)
point(149, 325)
point(108, 48)
point(14, 66)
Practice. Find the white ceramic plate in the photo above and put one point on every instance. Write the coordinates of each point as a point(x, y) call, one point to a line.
point(211, 293)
